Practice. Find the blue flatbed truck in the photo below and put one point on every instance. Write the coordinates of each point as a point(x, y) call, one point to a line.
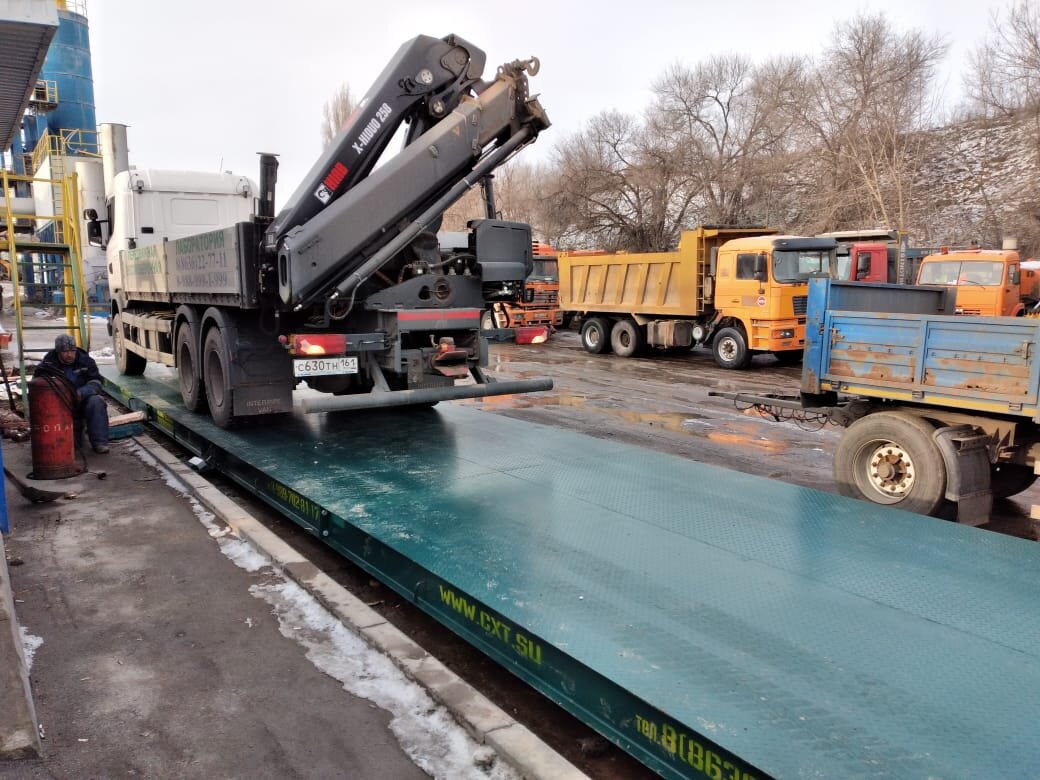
point(937, 408)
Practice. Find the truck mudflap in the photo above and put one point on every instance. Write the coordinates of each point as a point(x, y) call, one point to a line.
point(430, 395)
point(964, 452)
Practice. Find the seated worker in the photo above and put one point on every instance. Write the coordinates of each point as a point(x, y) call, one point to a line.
point(81, 370)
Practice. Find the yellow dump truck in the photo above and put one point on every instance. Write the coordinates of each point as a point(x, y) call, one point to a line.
point(742, 290)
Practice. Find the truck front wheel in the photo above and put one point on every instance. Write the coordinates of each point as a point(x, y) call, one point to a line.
point(730, 349)
point(216, 363)
point(129, 363)
point(189, 370)
point(626, 338)
point(891, 458)
point(595, 335)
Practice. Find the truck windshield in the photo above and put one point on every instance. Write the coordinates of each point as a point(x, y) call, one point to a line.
point(957, 272)
point(793, 266)
point(548, 269)
point(843, 268)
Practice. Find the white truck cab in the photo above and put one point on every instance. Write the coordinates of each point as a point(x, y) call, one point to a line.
point(149, 206)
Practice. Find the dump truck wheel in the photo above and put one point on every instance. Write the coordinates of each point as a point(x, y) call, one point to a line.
point(626, 338)
point(189, 370)
point(730, 349)
point(595, 335)
point(1010, 479)
point(216, 363)
point(129, 363)
point(891, 458)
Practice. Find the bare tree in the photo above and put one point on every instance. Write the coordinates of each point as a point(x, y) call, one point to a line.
point(1004, 73)
point(867, 102)
point(616, 185)
point(729, 119)
point(336, 112)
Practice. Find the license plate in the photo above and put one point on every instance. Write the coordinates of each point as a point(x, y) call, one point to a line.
point(325, 366)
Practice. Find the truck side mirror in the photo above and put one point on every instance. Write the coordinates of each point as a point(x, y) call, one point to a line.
point(1016, 276)
point(761, 274)
point(94, 233)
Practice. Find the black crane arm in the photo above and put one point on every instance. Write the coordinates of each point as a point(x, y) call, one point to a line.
point(419, 86)
point(346, 240)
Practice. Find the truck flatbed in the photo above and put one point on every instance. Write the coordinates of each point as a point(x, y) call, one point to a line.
point(710, 622)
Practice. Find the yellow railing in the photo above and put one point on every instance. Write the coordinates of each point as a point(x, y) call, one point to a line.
point(66, 142)
point(46, 91)
point(73, 6)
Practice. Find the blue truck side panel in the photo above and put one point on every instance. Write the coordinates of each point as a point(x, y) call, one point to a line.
point(887, 341)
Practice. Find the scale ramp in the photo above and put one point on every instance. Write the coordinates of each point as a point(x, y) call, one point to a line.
point(711, 623)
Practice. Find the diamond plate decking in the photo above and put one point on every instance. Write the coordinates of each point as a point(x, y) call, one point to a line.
point(711, 623)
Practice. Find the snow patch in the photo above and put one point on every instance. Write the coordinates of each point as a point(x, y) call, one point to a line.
point(30, 644)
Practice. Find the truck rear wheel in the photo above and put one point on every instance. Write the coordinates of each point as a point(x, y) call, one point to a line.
point(216, 363)
point(626, 338)
point(891, 458)
point(1010, 479)
point(595, 335)
point(730, 349)
point(189, 370)
point(129, 363)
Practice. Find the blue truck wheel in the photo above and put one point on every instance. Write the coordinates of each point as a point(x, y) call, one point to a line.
point(890, 458)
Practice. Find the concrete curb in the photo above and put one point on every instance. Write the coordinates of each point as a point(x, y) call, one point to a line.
point(486, 722)
point(19, 732)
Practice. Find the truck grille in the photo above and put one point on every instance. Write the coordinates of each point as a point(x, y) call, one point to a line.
point(801, 304)
point(545, 298)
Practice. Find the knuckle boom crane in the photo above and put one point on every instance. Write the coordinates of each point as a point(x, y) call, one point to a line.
point(346, 287)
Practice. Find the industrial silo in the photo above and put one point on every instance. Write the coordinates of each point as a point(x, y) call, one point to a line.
point(68, 66)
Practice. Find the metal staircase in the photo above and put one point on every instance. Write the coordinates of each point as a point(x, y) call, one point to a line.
point(43, 260)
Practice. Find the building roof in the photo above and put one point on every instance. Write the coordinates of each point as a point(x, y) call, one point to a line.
point(26, 30)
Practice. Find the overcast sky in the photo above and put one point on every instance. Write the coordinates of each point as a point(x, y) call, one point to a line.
point(204, 85)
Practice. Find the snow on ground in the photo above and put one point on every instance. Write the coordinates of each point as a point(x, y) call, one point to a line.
point(425, 730)
point(30, 644)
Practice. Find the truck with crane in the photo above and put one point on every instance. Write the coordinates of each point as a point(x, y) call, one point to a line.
point(937, 409)
point(346, 288)
point(740, 289)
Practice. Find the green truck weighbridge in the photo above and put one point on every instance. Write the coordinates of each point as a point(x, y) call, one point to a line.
point(711, 623)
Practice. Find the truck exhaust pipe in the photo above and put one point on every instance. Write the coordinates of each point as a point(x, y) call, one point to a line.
point(268, 178)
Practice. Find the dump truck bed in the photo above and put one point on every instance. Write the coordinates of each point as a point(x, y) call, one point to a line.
point(669, 284)
point(904, 343)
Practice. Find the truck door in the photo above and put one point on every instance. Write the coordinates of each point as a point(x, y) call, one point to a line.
point(1011, 292)
point(741, 289)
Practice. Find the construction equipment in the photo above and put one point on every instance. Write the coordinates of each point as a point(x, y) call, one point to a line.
point(347, 288)
point(742, 290)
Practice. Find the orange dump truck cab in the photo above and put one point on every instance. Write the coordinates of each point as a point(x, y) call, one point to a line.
point(989, 282)
point(539, 300)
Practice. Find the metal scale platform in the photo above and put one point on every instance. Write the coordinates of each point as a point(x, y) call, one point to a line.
point(712, 623)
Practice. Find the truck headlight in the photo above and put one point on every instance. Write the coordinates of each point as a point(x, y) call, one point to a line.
point(786, 333)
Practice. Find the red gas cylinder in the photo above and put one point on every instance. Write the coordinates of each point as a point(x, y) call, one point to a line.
point(52, 432)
